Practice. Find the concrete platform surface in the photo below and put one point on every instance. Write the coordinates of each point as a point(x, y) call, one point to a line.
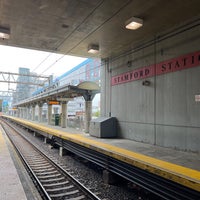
point(185, 159)
point(10, 185)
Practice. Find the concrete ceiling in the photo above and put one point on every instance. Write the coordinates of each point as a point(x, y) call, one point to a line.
point(69, 26)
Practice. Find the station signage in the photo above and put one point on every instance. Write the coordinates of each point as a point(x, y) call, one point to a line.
point(53, 103)
point(168, 66)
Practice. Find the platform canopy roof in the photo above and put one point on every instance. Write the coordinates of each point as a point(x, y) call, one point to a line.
point(70, 26)
point(64, 93)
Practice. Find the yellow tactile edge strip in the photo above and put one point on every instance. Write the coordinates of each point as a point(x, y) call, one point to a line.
point(182, 175)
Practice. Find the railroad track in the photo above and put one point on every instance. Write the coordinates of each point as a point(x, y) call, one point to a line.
point(52, 181)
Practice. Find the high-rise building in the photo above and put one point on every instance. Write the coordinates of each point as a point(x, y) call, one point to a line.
point(22, 90)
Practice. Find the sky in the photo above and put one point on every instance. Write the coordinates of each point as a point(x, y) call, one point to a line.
point(40, 62)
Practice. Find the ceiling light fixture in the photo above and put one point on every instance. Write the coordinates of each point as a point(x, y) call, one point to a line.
point(93, 48)
point(134, 23)
point(4, 33)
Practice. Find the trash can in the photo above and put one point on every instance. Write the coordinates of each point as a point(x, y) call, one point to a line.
point(57, 118)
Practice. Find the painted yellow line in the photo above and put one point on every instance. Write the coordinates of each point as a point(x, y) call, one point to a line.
point(182, 175)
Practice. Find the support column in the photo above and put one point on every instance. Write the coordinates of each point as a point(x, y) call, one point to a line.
point(62, 152)
point(24, 112)
point(20, 112)
point(40, 112)
point(63, 114)
point(49, 114)
point(33, 112)
point(27, 112)
point(88, 96)
point(88, 115)
point(105, 88)
point(109, 177)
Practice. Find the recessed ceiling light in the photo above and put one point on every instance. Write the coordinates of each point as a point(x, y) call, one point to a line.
point(134, 23)
point(93, 48)
point(4, 33)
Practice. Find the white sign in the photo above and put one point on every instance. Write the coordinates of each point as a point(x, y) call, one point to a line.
point(197, 98)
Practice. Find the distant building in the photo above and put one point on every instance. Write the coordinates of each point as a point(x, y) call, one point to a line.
point(24, 91)
point(89, 70)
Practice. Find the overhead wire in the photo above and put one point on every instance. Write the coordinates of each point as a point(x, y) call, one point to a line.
point(53, 64)
point(128, 2)
point(42, 62)
point(67, 38)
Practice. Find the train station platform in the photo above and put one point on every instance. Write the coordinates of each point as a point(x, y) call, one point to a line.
point(177, 166)
point(10, 184)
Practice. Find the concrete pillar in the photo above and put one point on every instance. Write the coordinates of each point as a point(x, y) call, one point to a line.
point(88, 96)
point(18, 112)
point(109, 177)
point(21, 112)
point(88, 115)
point(45, 140)
point(105, 88)
point(21, 109)
point(62, 151)
point(27, 113)
point(13, 113)
point(40, 112)
point(24, 112)
point(63, 114)
point(33, 112)
point(49, 114)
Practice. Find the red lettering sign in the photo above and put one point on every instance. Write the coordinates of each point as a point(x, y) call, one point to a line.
point(172, 65)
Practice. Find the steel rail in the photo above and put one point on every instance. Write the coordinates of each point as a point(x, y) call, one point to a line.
point(36, 181)
point(45, 195)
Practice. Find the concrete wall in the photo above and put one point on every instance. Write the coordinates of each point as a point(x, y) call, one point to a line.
point(165, 112)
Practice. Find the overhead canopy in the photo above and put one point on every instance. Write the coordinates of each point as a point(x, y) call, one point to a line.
point(69, 27)
point(88, 85)
point(62, 93)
